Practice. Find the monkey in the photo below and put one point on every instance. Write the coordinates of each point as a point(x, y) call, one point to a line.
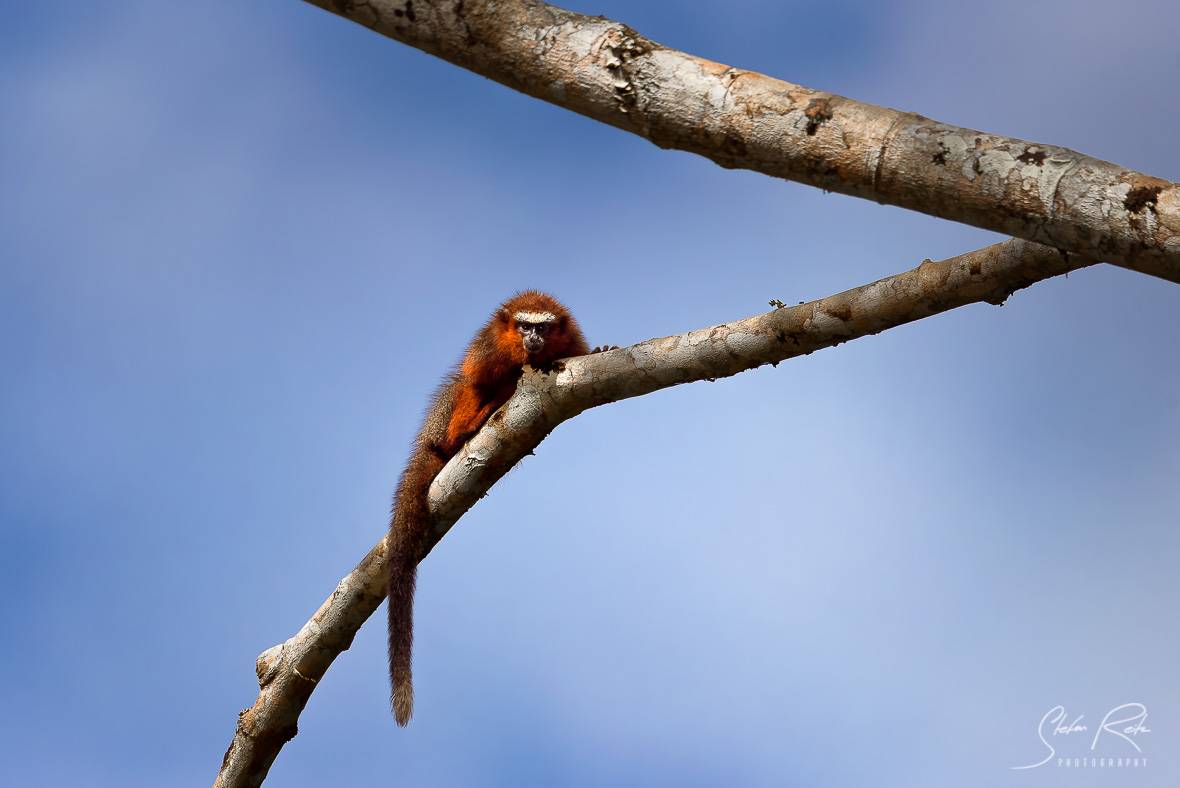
point(530, 328)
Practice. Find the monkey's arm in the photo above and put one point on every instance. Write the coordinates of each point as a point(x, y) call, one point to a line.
point(470, 412)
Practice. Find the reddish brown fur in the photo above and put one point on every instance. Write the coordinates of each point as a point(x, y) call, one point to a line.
point(484, 381)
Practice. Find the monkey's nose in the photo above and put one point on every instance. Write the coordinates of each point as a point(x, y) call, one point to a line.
point(533, 342)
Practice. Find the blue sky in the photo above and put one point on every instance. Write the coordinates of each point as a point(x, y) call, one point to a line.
point(240, 243)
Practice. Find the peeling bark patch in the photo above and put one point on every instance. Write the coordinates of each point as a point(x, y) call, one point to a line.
point(841, 312)
point(818, 112)
point(1142, 197)
point(976, 268)
point(624, 45)
point(940, 157)
point(1032, 156)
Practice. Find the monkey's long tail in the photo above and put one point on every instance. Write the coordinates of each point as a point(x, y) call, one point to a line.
point(403, 573)
point(407, 529)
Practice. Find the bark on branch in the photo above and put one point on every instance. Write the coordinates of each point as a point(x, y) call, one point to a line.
point(737, 118)
point(288, 673)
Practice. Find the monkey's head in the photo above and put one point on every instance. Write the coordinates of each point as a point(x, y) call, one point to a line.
point(539, 329)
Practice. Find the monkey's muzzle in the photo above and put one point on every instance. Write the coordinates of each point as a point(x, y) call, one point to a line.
point(533, 340)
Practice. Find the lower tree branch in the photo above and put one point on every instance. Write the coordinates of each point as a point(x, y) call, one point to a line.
point(288, 673)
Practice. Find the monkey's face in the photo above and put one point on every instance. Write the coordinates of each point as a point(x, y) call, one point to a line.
point(534, 329)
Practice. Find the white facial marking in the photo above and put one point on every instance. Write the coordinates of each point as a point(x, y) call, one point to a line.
point(534, 317)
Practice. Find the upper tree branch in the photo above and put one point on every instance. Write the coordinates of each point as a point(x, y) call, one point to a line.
point(289, 672)
point(737, 118)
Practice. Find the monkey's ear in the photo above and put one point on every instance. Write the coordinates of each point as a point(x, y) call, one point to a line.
point(504, 315)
